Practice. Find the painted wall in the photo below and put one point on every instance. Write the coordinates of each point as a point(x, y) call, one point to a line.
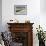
point(43, 6)
point(34, 14)
point(43, 14)
point(0, 15)
point(33, 10)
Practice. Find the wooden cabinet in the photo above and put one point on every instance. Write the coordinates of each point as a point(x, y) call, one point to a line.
point(22, 33)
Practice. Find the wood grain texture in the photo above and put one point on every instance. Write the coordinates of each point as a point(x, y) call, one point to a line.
point(23, 27)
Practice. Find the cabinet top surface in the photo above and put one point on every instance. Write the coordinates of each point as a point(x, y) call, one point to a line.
point(19, 23)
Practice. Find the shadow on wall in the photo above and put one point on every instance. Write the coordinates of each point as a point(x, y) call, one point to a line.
point(0, 15)
point(43, 6)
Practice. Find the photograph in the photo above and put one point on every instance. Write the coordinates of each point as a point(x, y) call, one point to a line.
point(20, 9)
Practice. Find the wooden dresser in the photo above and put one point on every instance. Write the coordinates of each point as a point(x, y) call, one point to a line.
point(22, 33)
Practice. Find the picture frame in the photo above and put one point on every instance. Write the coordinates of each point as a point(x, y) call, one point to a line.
point(20, 9)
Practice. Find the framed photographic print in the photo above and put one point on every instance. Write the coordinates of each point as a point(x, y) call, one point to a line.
point(20, 9)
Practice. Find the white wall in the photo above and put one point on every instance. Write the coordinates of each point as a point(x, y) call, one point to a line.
point(43, 6)
point(33, 14)
point(43, 14)
point(0, 15)
point(33, 10)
